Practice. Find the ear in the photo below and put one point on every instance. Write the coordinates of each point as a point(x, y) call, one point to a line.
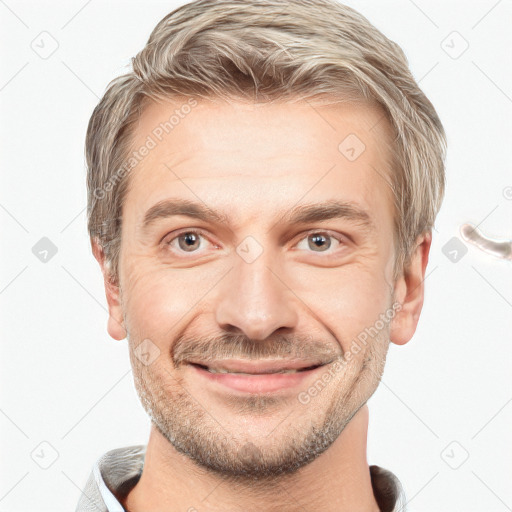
point(115, 325)
point(409, 291)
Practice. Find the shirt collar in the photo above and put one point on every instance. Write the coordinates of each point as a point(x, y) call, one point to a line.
point(119, 470)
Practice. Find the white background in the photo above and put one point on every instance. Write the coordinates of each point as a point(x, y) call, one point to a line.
point(65, 382)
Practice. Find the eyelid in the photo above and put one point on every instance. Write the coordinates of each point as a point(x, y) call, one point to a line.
point(334, 234)
point(342, 239)
point(184, 231)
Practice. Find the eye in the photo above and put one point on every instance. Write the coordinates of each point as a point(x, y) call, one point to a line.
point(186, 241)
point(321, 241)
point(190, 241)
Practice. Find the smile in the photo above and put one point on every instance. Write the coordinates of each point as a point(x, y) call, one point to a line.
point(256, 377)
point(223, 370)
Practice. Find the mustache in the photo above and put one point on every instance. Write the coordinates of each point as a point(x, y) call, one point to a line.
point(239, 346)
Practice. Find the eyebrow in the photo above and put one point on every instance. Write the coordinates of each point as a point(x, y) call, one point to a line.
point(301, 214)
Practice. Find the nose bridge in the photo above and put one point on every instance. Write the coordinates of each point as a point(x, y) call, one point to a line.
point(254, 297)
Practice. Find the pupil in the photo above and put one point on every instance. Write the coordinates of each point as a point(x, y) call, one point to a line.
point(190, 240)
point(321, 239)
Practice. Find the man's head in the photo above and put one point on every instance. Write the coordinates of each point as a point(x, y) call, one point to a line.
point(262, 187)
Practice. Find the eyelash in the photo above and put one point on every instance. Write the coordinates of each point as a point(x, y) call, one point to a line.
point(328, 234)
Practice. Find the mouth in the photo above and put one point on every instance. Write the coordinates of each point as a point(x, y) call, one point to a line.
point(256, 376)
point(261, 368)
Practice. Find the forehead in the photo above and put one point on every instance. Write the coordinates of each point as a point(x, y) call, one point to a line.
point(237, 154)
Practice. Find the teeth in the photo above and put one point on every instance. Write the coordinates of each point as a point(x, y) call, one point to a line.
point(211, 370)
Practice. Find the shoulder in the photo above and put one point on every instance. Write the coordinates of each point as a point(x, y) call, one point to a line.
point(387, 489)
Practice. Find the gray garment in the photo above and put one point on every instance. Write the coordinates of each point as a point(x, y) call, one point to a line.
point(117, 471)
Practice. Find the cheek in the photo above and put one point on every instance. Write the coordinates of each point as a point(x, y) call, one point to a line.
point(160, 299)
point(349, 302)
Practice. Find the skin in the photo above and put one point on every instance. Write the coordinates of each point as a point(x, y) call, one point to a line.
point(211, 449)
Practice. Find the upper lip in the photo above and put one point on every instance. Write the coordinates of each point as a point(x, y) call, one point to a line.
point(261, 366)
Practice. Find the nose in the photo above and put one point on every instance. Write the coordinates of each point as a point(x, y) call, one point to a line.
point(255, 299)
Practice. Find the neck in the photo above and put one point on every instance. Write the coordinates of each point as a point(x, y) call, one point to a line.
point(338, 480)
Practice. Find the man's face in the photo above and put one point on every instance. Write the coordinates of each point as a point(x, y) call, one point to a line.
point(259, 286)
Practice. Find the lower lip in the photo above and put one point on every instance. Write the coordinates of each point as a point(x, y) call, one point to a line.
point(261, 383)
